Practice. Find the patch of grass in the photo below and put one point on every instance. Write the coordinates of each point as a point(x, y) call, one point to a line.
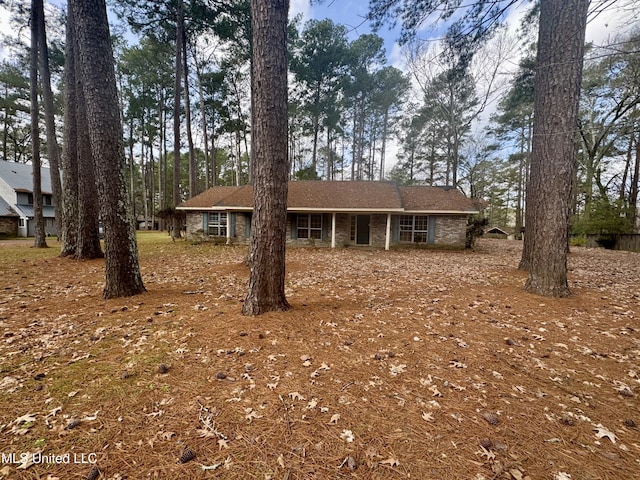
point(578, 241)
point(16, 254)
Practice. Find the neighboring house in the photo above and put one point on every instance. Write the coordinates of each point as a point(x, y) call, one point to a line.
point(377, 214)
point(16, 191)
point(8, 220)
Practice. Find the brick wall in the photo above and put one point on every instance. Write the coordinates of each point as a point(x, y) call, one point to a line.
point(9, 226)
point(451, 231)
point(378, 230)
point(194, 226)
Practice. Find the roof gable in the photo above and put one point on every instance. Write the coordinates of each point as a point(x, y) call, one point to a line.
point(434, 199)
point(19, 176)
point(6, 210)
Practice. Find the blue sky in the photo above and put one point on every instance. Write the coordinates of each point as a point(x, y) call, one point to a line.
point(352, 14)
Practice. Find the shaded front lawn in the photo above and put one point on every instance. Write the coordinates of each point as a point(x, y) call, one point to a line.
point(400, 364)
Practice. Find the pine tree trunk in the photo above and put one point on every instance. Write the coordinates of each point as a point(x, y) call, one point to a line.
point(271, 164)
point(40, 240)
point(96, 67)
point(177, 198)
point(193, 168)
point(204, 126)
point(557, 92)
point(70, 152)
point(635, 185)
point(49, 115)
point(88, 235)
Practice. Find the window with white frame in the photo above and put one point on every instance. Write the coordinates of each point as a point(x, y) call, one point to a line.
point(414, 228)
point(217, 224)
point(310, 225)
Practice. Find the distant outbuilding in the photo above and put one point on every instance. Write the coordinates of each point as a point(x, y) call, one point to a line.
point(496, 232)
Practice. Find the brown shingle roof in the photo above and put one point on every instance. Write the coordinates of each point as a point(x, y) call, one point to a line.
point(344, 195)
point(435, 199)
point(341, 196)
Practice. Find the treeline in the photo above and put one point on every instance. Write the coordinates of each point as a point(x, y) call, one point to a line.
point(185, 92)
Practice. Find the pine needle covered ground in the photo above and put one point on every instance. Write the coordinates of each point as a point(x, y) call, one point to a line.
point(404, 364)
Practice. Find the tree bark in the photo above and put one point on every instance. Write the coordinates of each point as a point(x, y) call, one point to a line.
point(49, 115)
point(635, 184)
point(40, 240)
point(193, 167)
point(557, 92)
point(271, 163)
point(88, 234)
point(96, 68)
point(177, 198)
point(204, 126)
point(70, 152)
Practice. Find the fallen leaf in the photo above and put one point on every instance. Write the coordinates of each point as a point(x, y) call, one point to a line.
point(456, 364)
point(347, 435)
point(251, 414)
point(26, 462)
point(392, 462)
point(334, 418)
point(203, 433)
point(602, 432)
point(486, 453)
point(296, 396)
point(562, 476)
point(517, 474)
point(427, 416)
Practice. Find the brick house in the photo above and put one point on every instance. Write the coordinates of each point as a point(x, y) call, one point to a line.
point(16, 200)
point(339, 214)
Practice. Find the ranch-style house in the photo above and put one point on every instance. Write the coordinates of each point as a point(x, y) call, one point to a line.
point(339, 214)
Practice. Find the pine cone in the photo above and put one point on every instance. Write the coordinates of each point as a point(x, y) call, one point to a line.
point(94, 473)
point(187, 456)
point(492, 418)
point(73, 423)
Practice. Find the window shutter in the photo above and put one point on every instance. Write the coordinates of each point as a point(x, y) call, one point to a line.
point(232, 224)
point(395, 228)
point(247, 225)
point(326, 221)
point(432, 229)
point(294, 226)
point(205, 222)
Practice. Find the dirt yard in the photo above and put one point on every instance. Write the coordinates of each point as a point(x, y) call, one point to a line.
point(390, 365)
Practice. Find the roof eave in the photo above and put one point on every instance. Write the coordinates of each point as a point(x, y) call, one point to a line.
point(441, 212)
point(222, 208)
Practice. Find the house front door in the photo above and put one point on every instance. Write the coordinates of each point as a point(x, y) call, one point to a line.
point(362, 229)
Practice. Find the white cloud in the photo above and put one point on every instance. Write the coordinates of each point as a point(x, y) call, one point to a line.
point(300, 6)
point(397, 58)
point(5, 29)
point(611, 23)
